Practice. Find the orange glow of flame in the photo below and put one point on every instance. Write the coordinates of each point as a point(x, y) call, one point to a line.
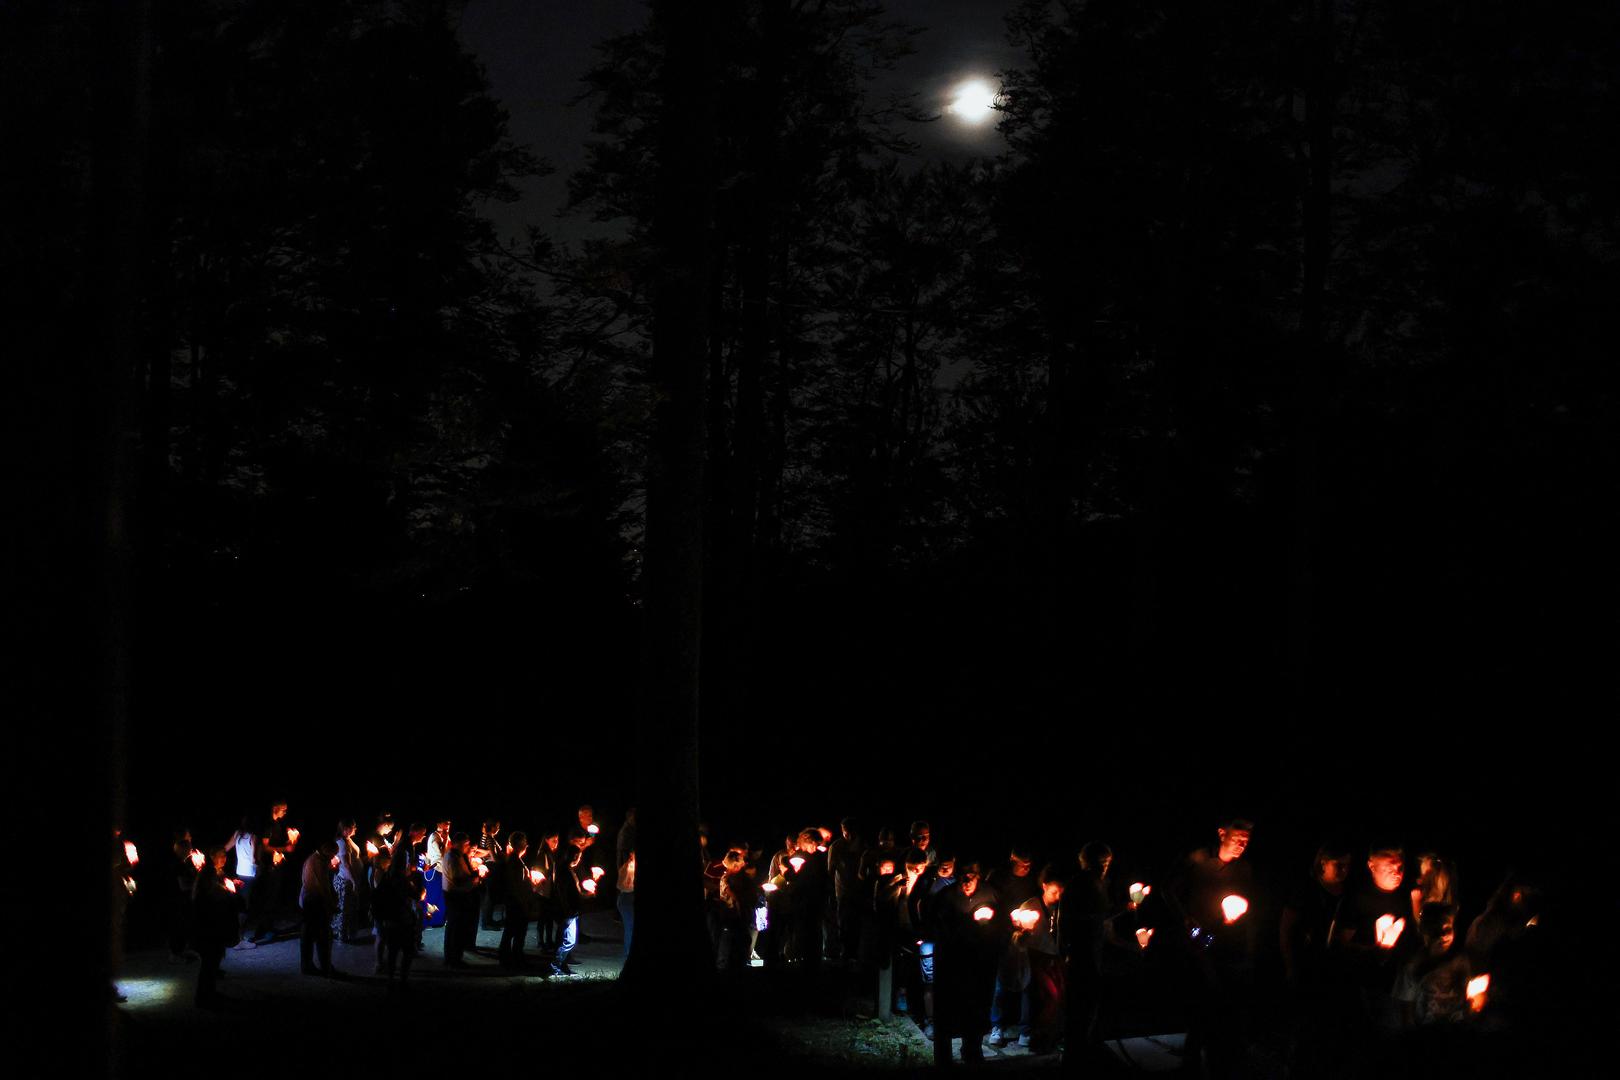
point(131, 856)
point(596, 873)
point(230, 885)
point(821, 847)
point(589, 885)
point(371, 849)
point(197, 859)
point(1477, 988)
point(536, 877)
point(1388, 930)
point(797, 862)
point(1144, 935)
point(826, 833)
point(292, 835)
point(984, 914)
point(1026, 919)
point(1233, 907)
point(886, 869)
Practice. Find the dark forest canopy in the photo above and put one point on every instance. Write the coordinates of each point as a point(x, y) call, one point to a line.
point(1268, 370)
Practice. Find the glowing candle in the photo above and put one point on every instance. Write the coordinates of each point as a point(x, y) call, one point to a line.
point(886, 869)
point(596, 873)
point(797, 862)
point(1388, 930)
point(230, 885)
point(984, 914)
point(1144, 934)
point(1233, 907)
point(821, 847)
point(129, 885)
point(292, 836)
point(1477, 987)
point(483, 871)
point(593, 828)
point(1139, 892)
point(197, 859)
point(131, 856)
point(371, 849)
point(536, 877)
point(335, 861)
point(769, 886)
point(589, 885)
point(1026, 918)
point(826, 833)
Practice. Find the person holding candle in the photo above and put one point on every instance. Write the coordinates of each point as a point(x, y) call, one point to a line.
point(396, 903)
point(522, 904)
point(545, 859)
point(383, 837)
point(625, 897)
point(492, 850)
point(1211, 892)
point(966, 952)
point(1087, 909)
point(806, 875)
point(1015, 885)
point(183, 873)
point(1323, 998)
point(350, 885)
point(843, 868)
point(1041, 937)
point(437, 846)
point(567, 897)
point(244, 848)
point(1377, 936)
point(318, 901)
point(1432, 986)
point(213, 922)
point(461, 885)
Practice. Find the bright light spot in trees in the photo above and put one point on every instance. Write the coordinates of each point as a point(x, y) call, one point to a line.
point(973, 102)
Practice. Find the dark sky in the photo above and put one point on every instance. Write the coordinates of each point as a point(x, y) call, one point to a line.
point(536, 52)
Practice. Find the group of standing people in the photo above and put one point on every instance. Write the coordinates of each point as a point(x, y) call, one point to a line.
point(387, 886)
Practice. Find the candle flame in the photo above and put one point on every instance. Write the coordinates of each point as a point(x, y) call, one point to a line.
point(1233, 907)
point(230, 885)
point(1026, 919)
point(593, 828)
point(769, 886)
point(589, 885)
point(1477, 988)
point(536, 877)
point(335, 862)
point(1388, 930)
point(371, 849)
point(292, 835)
point(596, 873)
point(196, 858)
point(886, 869)
point(984, 914)
point(131, 856)
point(1139, 892)
point(1144, 934)
point(797, 862)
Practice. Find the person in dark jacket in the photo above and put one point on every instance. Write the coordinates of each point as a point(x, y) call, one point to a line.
point(1086, 910)
point(396, 902)
point(568, 898)
point(964, 922)
point(462, 885)
point(184, 870)
point(213, 922)
point(522, 904)
point(317, 900)
point(844, 868)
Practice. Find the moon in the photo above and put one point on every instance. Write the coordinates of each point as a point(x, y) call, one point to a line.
point(973, 101)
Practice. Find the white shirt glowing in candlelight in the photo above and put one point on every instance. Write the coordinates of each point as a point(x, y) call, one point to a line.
point(1388, 930)
point(1144, 934)
point(1233, 907)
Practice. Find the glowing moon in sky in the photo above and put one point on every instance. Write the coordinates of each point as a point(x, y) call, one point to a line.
point(973, 101)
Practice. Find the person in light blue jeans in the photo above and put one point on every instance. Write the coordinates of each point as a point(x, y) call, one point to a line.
point(627, 896)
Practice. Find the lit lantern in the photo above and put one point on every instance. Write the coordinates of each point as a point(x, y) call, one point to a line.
point(230, 885)
point(1233, 908)
point(1477, 988)
point(984, 914)
point(371, 849)
point(131, 856)
point(596, 873)
point(197, 859)
point(593, 828)
point(797, 862)
point(1144, 934)
point(589, 885)
point(1387, 930)
point(1139, 892)
point(536, 877)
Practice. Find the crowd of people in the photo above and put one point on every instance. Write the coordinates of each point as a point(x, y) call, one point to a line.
point(990, 955)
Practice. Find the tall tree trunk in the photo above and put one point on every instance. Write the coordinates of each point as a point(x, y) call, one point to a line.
point(1318, 241)
point(670, 947)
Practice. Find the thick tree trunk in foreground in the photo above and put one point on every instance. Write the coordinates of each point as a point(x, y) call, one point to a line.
point(670, 947)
